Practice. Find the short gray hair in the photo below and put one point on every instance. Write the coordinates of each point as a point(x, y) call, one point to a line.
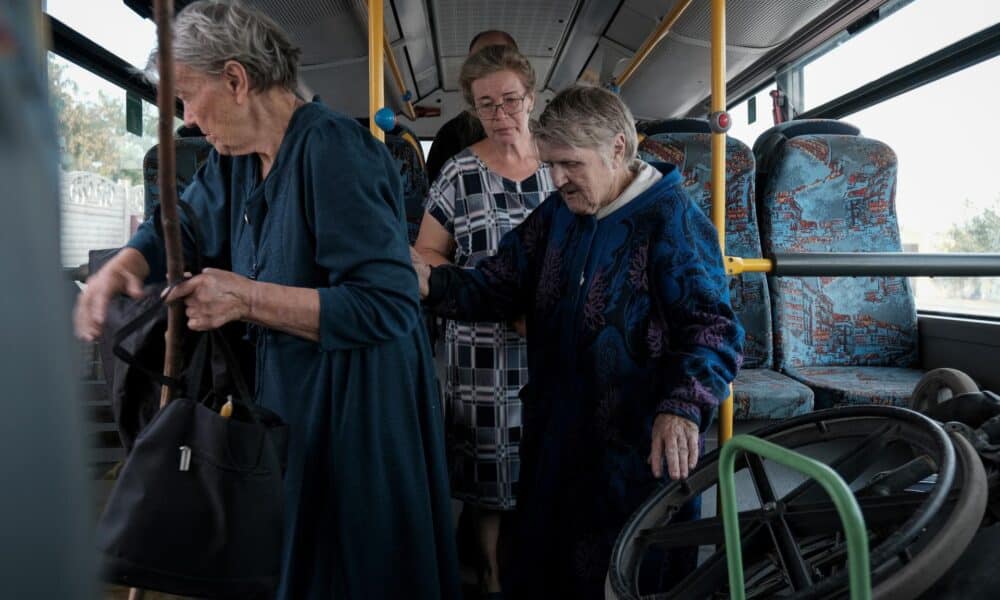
point(208, 33)
point(493, 59)
point(587, 116)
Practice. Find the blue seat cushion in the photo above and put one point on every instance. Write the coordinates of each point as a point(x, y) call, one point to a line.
point(845, 386)
point(767, 394)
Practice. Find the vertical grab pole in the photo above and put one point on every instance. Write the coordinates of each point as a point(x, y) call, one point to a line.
point(168, 188)
point(376, 78)
point(719, 167)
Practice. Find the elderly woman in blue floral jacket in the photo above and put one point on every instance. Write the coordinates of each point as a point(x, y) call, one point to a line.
point(631, 339)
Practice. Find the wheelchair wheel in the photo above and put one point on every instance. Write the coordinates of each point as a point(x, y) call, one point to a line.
point(901, 466)
point(937, 549)
point(938, 385)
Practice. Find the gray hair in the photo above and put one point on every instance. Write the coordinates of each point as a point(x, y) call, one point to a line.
point(493, 59)
point(586, 116)
point(209, 33)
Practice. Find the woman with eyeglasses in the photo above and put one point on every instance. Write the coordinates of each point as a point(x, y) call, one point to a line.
point(481, 194)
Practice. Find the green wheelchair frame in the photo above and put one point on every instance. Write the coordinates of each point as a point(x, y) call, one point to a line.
point(859, 567)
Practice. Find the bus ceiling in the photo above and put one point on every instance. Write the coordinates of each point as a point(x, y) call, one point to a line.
point(565, 40)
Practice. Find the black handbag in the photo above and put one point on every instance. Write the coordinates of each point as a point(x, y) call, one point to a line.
point(197, 509)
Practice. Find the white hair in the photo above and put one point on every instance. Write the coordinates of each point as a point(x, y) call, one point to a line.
point(586, 116)
point(208, 33)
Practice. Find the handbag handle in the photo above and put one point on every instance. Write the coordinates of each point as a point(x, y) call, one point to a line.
point(128, 329)
point(150, 313)
point(196, 368)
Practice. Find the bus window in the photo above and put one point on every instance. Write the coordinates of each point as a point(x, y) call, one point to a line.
point(101, 163)
point(948, 193)
point(763, 117)
point(916, 29)
point(110, 24)
point(947, 196)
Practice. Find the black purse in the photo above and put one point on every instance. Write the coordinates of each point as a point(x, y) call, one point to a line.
point(197, 509)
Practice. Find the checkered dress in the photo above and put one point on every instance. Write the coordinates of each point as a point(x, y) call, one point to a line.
point(487, 362)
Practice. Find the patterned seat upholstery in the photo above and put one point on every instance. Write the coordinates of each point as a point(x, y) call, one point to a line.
point(853, 340)
point(759, 392)
point(192, 152)
point(405, 147)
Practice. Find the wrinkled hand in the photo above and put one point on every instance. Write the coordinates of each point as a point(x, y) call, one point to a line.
point(214, 298)
point(92, 305)
point(423, 272)
point(677, 439)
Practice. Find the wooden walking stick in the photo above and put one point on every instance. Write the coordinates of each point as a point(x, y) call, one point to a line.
point(164, 13)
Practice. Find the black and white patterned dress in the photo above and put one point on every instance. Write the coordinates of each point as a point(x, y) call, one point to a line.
point(487, 362)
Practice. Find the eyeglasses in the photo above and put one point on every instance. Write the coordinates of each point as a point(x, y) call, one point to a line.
point(511, 105)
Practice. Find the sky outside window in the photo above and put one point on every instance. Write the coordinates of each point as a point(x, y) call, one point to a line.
point(110, 24)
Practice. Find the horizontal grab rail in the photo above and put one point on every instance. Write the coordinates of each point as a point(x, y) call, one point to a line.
point(907, 264)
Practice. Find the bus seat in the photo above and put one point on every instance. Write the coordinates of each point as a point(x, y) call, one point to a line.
point(405, 147)
point(759, 391)
point(765, 146)
point(853, 340)
point(192, 152)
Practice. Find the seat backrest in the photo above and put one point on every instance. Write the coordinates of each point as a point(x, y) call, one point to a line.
point(405, 148)
point(765, 148)
point(829, 189)
point(192, 152)
point(687, 144)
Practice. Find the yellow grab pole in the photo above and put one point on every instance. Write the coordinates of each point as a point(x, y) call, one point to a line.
point(376, 77)
point(719, 168)
point(654, 38)
point(397, 75)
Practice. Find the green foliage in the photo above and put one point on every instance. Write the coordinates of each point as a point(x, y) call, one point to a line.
point(981, 233)
point(92, 131)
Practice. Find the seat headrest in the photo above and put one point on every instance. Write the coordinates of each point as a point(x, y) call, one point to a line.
point(404, 133)
point(648, 128)
point(188, 132)
point(782, 132)
point(768, 146)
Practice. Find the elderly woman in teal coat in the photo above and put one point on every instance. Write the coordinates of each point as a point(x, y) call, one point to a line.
point(631, 341)
point(302, 212)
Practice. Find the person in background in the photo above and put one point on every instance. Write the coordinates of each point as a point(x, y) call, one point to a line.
point(465, 129)
point(301, 208)
point(632, 342)
point(484, 192)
